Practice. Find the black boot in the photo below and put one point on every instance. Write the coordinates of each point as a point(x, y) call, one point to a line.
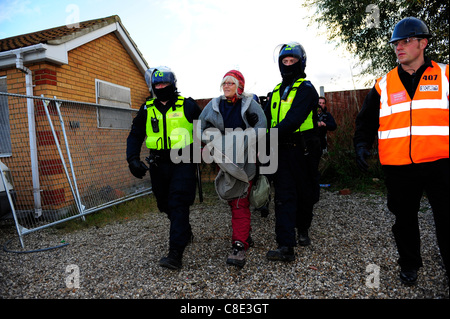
point(264, 211)
point(282, 253)
point(172, 261)
point(303, 238)
point(408, 277)
point(250, 241)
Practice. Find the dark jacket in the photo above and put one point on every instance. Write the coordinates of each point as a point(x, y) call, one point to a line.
point(331, 125)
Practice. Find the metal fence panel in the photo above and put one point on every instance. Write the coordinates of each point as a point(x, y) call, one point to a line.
point(72, 168)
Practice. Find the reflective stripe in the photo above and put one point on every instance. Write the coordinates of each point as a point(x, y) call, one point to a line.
point(414, 130)
point(175, 131)
point(384, 107)
point(443, 103)
point(416, 105)
point(445, 84)
point(279, 108)
point(417, 130)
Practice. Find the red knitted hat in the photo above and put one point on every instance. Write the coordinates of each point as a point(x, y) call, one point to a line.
point(237, 75)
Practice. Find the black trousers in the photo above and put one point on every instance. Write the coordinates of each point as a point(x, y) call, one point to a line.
point(174, 186)
point(406, 185)
point(296, 192)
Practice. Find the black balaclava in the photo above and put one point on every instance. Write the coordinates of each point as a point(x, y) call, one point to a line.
point(290, 73)
point(165, 94)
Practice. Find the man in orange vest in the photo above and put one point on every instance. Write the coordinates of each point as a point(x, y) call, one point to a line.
point(409, 109)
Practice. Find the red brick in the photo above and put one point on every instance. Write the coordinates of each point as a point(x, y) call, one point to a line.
point(51, 167)
point(46, 138)
point(53, 196)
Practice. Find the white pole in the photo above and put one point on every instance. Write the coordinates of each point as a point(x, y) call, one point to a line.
point(31, 134)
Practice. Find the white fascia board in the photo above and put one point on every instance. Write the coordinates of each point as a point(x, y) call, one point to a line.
point(131, 49)
point(58, 54)
point(53, 53)
point(8, 58)
point(90, 36)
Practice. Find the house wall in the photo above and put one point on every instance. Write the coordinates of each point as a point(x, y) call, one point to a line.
point(103, 59)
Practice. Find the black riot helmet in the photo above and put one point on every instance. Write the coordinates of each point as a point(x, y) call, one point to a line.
point(159, 75)
point(293, 49)
point(164, 75)
point(408, 28)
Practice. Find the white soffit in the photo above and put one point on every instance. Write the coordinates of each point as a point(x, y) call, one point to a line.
point(58, 53)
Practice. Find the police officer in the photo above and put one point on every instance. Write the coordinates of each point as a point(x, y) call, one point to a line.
point(408, 108)
point(326, 122)
point(167, 121)
point(292, 110)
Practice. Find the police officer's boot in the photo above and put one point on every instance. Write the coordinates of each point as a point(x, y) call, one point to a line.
point(408, 277)
point(282, 253)
point(303, 238)
point(173, 260)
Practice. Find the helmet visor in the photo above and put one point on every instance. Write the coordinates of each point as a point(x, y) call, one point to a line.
point(294, 49)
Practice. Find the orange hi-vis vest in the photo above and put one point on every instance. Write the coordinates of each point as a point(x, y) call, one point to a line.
point(414, 130)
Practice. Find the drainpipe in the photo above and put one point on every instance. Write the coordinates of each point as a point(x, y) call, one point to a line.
point(32, 133)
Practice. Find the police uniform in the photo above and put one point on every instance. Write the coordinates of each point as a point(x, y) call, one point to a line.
point(292, 110)
point(168, 127)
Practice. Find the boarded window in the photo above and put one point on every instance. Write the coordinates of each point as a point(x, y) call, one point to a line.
point(5, 131)
point(118, 98)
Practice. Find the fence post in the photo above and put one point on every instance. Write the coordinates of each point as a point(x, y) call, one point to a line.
point(74, 190)
point(19, 232)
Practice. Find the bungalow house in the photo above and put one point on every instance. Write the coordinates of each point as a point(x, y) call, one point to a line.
point(85, 66)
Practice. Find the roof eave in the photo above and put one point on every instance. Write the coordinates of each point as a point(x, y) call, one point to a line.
point(57, 52)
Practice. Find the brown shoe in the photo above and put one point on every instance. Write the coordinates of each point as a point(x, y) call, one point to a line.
point(237, 256)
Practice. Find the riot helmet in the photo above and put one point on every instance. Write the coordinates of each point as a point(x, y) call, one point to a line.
point(160, 75)
point(296, 50)
point(148, 78)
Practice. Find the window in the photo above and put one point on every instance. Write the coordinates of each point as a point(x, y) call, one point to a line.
point(118, 98)
point(5, 131)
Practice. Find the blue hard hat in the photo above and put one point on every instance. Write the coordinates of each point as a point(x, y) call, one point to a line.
point(410, 27)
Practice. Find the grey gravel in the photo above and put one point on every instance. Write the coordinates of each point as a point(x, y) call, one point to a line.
point(120, 260)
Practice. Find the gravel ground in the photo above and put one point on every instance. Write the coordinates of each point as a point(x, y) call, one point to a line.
point(350, 234)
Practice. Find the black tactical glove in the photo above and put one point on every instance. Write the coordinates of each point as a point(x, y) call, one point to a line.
point(137, 168)
point(361, 153)
point(252, 119)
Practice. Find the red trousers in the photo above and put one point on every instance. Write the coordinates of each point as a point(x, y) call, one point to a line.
point(240, 218)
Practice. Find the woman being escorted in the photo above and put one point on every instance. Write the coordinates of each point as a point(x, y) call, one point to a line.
point(234, 111)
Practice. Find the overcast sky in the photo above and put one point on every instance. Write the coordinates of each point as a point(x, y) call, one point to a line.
point(202, 39)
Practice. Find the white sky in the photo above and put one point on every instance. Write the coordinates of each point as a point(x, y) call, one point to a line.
point(200, 40)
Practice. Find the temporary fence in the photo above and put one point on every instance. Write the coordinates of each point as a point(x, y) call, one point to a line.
point(62, 160)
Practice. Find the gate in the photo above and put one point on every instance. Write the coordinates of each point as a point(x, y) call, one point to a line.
point(63, 160)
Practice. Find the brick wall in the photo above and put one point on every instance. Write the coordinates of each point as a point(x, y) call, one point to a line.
point(104, 59)
point(344, 106)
